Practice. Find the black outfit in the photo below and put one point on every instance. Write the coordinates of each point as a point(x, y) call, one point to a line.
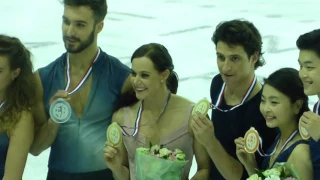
point(234, 124)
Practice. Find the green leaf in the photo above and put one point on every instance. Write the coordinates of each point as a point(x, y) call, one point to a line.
point(259, 173)
point(166, 156)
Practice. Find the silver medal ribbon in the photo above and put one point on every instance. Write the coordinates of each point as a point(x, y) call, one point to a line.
point(83, 79)
point(275, 148)
point(138, 119)
point(1, 105)
point(244, 99)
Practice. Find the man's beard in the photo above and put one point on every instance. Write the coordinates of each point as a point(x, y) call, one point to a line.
point(82, 46)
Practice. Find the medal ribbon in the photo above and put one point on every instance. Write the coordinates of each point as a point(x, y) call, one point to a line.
point(244, 99)
point(1, 105)
point(138, 119)
point(84, 78)
point(316, 108)
point(275, 148)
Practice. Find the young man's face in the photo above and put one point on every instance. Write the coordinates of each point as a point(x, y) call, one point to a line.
point(310, 72)
point(233, 63)
point(78, 28)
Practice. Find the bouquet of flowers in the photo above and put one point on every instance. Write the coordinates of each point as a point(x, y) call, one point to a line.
point(159, 163)
point(280, 171)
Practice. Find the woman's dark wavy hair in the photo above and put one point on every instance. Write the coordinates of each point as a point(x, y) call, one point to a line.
point(162, 61)
point(19, 95)
point(288, 82)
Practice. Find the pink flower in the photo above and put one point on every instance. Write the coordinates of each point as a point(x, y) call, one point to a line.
point(171, 157)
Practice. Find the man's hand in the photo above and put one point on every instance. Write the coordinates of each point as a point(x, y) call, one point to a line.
point(203, 129)
point(311, 122)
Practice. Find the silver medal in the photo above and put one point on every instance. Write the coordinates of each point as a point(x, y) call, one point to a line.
point(60, 111)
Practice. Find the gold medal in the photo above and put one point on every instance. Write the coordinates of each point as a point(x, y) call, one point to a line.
point(303, 132)
point(251, 140)
point(202, 107)
point(114, 134)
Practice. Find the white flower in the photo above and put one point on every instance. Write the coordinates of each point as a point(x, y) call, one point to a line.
point(178, 151)
point(155, 149)
point(254, 177)
point(181, 156)
point(164, 152)
point(272, 177)
point(271, 172)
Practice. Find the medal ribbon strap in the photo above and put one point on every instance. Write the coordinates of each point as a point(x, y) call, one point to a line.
point(244, 99)
point(316, 108)
point(138, 119)
point(220, 97)
point(136, 125)
point(84, 78)
point(1, 105)
point(275, 148)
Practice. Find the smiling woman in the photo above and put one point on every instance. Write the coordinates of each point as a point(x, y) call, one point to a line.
point(158, 116)
point(16, 99)
point(282, 104)
point(154, 58)
point(149, 60)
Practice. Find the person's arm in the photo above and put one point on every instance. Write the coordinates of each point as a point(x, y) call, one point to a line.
point(45, 130)
point(121, 172)
point(203, 162)
point(202, 158)
point(301, 161)
point(20, 140)
point(248, 160)
point(251, 168)
point(120, 77)
point(127, 86)
point(311, 122)
point(45, 135)
point(315, 156)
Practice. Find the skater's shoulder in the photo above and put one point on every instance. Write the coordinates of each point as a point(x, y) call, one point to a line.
point(216, 80)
